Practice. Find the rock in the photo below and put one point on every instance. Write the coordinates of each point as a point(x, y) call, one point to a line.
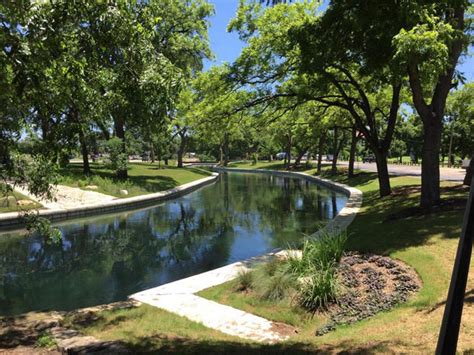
point(25, 203)
point(123, 192)
point(92, 187)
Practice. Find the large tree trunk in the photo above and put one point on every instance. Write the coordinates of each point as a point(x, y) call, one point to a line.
point(182, 148)
point(350, 171)
point(430, 189)
point(322, 140)
point(152, 153)
point(288, 153)
point(300, 156)
point(86, 169)
point(119, 127)
point(76, 118)
point(469, 172)
point(382, 172)
point(432, 113)
point(337, 145)
point(225, 151)
point(450, 150)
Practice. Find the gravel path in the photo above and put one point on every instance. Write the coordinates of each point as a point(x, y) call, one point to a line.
point(68, 197)
point(448, 174)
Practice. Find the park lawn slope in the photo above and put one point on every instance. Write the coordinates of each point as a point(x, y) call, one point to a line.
point(388, 226)
point(4, 207)
point(143, 178)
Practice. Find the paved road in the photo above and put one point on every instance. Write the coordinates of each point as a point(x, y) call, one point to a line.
point(449, 174)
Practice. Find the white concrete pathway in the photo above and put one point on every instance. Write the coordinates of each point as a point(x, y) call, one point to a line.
point(179, 297)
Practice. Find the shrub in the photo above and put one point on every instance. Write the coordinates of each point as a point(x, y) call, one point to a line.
point(320, 253)
point(206, 158)
point(46, 340)
point(254, 159)
point(118, 158)
point(318, 290)
point(244, 280)
point(276, 287)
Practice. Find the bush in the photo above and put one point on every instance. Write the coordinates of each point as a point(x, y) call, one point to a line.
point(318, 290)
point(276, 287)
point(254, 159)
point(118, 159)
point(310, 276)
point(206, 158)
point(244, 280)
point(46, 340)
point(321, 253)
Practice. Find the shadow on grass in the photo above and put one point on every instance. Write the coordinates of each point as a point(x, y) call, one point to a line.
point(374, 230)
point(138, 177)
point(158, 342)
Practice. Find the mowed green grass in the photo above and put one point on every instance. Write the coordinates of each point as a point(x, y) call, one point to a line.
point(4, 208)
point(427, 243)
point(143, 178)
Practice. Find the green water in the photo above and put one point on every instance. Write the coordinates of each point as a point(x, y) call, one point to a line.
point(105, 259)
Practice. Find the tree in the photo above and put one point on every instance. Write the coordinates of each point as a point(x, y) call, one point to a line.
point(214, 116)
point(460, 114)
point(292, 44)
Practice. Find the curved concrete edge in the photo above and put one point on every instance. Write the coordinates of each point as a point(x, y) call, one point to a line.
point(14, 220)
point(180, 297)
point(343, 219)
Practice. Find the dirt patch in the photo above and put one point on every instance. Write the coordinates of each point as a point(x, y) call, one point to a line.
point(371, 284)
point(20, 334)
point(283, 329)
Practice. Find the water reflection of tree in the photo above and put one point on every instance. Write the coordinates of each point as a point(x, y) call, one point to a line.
point(111, 260)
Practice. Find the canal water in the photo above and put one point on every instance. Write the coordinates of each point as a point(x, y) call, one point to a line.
point(106, 258)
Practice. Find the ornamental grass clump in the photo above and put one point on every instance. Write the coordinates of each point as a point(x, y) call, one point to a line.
point(244, 280)
point(308, 277)
point(318, 290)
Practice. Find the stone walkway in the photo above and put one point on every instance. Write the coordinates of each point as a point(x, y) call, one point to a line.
point(68, 197)
point(180, 297)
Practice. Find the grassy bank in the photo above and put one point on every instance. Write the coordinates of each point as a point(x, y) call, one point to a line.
point(143, 178)
point(388, 226)
point(6, 207)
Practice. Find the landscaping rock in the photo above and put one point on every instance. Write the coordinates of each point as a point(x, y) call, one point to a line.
point(372, 284)
point(25, 203)
point(123, 192)
point(92, 187)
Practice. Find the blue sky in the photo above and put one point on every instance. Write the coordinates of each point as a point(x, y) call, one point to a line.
point(227, 46)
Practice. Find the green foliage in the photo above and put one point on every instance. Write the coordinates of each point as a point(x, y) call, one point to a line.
point(321, 253)
point(254, 159)
point(46, 340)
point(308, 278)
point(244, 280)
point(318, 290)
point(42, 226)
point(118, 159)
point(275, 287)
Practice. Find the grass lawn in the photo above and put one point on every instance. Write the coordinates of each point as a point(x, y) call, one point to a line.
point(4, 208)
point(143, 178)
point(427, 243)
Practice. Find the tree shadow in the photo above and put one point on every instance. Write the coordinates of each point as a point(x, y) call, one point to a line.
point(468, 298)
point(375, 230)
point(158, 342)
point(150, 183)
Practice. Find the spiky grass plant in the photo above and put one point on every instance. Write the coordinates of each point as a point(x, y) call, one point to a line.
point(244, 280)
point(318, 290)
